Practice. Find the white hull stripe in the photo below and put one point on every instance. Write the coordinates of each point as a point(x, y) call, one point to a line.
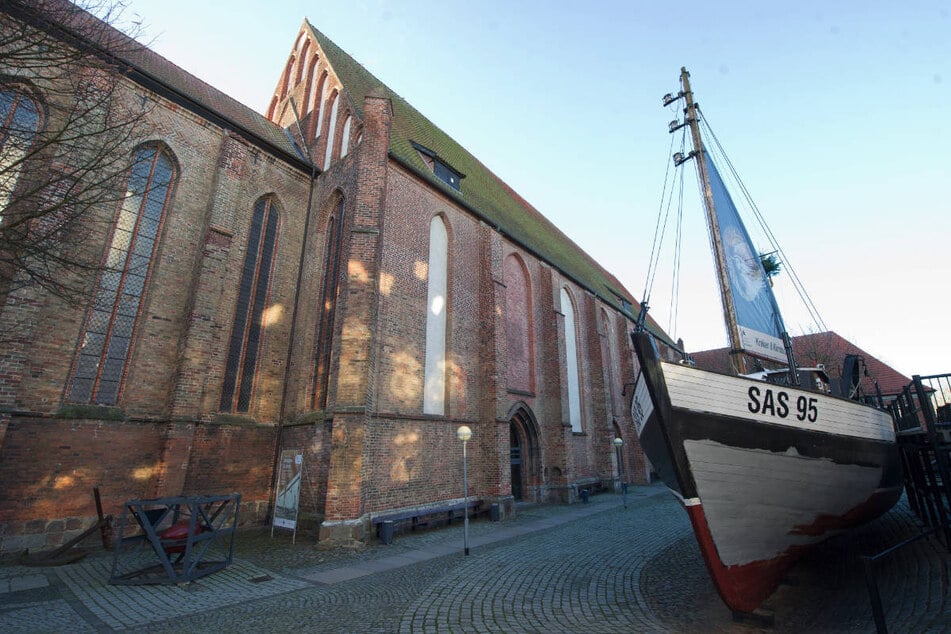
point(755, 500)
point(708, 392)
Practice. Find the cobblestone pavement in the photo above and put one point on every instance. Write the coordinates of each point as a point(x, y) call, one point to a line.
point(596, 567)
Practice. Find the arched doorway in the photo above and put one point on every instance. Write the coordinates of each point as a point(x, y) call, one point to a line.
point(523, 454)
point(515, 460)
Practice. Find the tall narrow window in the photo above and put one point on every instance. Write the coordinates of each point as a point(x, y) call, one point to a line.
point(301, 62)
point(19, 121)
point(335, 101)
point(518, 326)
point(245, 342)
point(321, 94)
point(325, 326)
point(434, 386)
point(309, 86)
point(345, 137)
point(609, 358)
point(286, 80)
point(571, 362)
point(112, 320)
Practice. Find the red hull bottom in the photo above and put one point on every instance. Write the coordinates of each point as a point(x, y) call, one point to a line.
point(744, 587)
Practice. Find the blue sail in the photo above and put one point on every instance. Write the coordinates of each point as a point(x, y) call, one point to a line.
point(757, 314)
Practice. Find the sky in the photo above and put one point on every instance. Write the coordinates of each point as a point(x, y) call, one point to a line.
point(835, 114)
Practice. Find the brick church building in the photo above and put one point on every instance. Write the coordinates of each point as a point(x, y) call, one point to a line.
point(336, 275)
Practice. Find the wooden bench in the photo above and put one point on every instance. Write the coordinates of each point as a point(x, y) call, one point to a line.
point(424, 516)
point(587, 489)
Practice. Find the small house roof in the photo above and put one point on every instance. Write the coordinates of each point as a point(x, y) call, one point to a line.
point(827, 348)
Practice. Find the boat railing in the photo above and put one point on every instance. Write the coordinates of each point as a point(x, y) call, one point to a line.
point(872, 400)
point(924, 405)
point(937, 387)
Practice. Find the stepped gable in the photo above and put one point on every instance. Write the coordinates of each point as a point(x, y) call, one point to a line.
point(483, 193)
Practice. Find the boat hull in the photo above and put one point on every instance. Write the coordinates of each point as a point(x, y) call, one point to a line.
point(764, 471)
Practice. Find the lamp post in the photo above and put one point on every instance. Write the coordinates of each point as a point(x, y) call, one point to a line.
point(464, 434)
point(618, 443)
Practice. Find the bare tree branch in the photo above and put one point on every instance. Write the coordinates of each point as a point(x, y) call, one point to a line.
point(69, 119)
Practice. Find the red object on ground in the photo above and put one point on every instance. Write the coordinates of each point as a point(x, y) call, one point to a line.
point(177, 533)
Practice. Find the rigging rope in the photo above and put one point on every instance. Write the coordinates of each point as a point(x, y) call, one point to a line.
point(794, 277)
point(678, 250)
point(659, 230)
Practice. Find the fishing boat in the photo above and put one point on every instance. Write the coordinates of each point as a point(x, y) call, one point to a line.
point(767, 464)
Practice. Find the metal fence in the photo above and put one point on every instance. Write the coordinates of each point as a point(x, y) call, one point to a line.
point(922, 418)
point(924, 405)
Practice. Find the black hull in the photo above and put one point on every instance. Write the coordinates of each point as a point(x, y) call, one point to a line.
point(761, 489)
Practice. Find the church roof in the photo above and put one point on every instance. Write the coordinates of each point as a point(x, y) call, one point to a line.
point(231, 113)
point(156, 73)
point(482, 192)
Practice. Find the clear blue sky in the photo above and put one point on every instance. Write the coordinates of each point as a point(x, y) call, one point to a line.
point(836, 115)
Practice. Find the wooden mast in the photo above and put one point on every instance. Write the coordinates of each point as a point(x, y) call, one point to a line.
point(726, 295)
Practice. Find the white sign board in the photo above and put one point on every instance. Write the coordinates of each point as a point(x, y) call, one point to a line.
point(287, 499)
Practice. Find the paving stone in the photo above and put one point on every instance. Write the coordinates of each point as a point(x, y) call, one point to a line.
point(594, 567)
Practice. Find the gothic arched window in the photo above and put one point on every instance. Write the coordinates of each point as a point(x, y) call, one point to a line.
point(434, 378)
point(111, 322)
point(518, 326)
point(334, 103)
point(345, 137)
point(571, 361)
point(245, 343)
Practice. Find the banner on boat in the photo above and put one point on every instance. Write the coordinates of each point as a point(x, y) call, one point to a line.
point(757, 315)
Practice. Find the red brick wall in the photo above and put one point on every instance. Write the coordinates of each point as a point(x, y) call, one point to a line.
point(371, 448)
point(314, 440)
point(226, 459)
point(173, 380)
point(417, 462)
point(188, 304)
point(50, 466)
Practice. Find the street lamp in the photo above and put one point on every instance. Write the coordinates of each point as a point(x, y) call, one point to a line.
point(464, 434)
point(618, 443)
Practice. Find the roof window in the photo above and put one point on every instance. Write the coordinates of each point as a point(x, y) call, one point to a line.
point(439, 167)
